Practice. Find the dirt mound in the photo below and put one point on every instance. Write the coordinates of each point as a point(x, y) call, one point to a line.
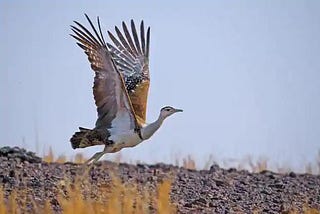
point(206, 191)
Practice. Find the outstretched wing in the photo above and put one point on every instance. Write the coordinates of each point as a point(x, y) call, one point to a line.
point(111, 98)
point(132, 59)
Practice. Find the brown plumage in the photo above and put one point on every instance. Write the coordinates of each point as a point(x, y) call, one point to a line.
point(120, 89)
point(109, 90)
point(132, 60)
point(87, 137)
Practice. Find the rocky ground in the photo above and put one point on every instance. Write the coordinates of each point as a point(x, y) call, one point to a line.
point(206, 191)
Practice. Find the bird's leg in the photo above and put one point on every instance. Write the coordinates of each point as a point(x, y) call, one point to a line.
point(87, 165)
point(96, 157)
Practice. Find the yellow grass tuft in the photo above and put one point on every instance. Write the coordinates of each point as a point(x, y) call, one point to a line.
point(49, 157)
point(114, 197)
point(164, 205)
point(13, 206)
point(189, 162)
point(61, 159)
point(3, 209)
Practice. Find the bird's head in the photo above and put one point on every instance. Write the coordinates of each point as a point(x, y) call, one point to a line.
point(167, 111)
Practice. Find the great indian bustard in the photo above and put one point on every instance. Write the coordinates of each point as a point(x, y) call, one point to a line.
point(120, 89)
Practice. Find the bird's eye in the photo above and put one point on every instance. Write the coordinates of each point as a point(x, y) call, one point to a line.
point(167, 109)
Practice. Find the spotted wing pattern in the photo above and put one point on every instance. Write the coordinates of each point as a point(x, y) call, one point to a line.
point(131, 57)
point(111, 97)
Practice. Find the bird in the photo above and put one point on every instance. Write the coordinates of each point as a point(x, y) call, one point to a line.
point(120, 88)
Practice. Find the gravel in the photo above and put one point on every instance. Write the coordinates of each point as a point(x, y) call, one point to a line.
point(215, 190)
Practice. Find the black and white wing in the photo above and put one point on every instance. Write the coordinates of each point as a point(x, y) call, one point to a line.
point(113, 104)
point(131, 57)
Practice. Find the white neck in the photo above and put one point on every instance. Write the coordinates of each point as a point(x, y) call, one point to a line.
point(151, 128)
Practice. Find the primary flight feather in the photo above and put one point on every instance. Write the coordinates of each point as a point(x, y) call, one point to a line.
point(120, 89)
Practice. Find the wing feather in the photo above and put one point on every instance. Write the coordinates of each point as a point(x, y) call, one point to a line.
point(135, 37)
point(129, 39)
point(94, 29)
point(143, 41)
point(85, 32)
point(109, 91)
point(148, 43)
point(98, 20)
point(132, 59)
point(124, 42)
point(122, 52)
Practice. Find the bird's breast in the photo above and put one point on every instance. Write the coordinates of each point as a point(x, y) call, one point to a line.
point(127, 139)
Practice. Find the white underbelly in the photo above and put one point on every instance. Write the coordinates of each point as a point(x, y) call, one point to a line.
point(123, 140)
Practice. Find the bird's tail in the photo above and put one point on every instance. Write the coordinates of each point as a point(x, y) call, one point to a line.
point(86, 137)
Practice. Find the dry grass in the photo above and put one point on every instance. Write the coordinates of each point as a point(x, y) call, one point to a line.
point(50, 158)
point(305, 210)
point(189, 162)
point(120, 197)
point(115, 198)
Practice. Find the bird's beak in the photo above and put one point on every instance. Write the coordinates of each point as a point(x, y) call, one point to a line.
point(178, 110)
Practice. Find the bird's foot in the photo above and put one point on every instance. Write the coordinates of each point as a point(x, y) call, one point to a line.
point(94, 158)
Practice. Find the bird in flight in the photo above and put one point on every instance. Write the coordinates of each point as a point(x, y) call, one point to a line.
point(120, 88)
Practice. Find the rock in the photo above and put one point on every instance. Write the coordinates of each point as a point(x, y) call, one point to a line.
point(292, 175)
point(11, 173)
point(207, 191)
point(214, 168)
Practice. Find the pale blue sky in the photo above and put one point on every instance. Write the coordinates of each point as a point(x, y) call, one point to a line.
point(247, 74)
